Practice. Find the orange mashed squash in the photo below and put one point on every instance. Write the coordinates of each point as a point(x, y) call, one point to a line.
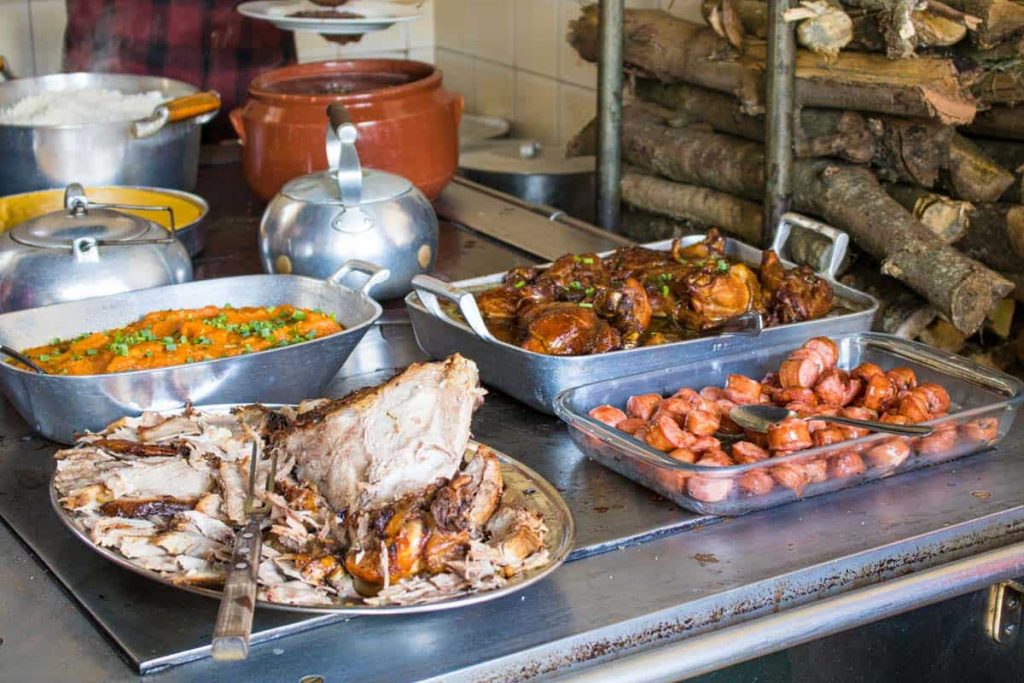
point(178, 336)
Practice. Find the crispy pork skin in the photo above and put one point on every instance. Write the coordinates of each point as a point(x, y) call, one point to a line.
point(379, 445)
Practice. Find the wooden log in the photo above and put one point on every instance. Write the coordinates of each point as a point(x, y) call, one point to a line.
point(1018, 287)
point(1009, 51)
point(1010, 156)
point(995, 236)
point(910, 150)
point(901, 311)
point(973, 176)
point(643, 226)
point(822, 132)
point(669, 49)
point(848, 197)
point(947, 218)
point(999, 122)
point(1000, 19)
point(679, 201)
point(895, 22)
point(996, 85)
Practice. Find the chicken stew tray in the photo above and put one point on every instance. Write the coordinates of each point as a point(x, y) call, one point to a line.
point(446, 319)
point(975, 408)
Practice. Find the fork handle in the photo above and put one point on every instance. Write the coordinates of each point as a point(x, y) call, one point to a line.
point(234, 618)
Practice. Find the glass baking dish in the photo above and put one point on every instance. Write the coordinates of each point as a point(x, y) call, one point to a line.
point(983, 405)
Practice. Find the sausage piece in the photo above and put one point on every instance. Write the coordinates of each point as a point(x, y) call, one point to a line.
point(826, 348)
point(800, 370)
point(610, 415)
point(913, 407)
point(665, 434)
point(756, 482)
point(789, 435)
point(706, 489)
point(888, 454)
point(712, 393)
point(935, 396)
point(847, 464)
point(701, 423)
point(790, 475)
point(983, 430)
point(942, 440)
point(828, 436)
point(742, 390)
point(725, 423)
point(816, 470)
point(642, 406)
point(745, 452)
point(631, 425)
point(796, 395)
point(902, 378)
point(865, 371)
point(831, 387)
point(878, 393)
point(701, 444)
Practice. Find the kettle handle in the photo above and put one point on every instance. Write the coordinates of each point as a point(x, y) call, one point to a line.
point(342, 154)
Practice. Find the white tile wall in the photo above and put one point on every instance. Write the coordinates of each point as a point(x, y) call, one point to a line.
point(508, 58)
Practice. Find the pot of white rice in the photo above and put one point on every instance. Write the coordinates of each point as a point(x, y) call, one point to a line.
point(94, 129)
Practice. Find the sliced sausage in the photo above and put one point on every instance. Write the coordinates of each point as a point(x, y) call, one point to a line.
point(983, 429)
point(676, 407)
point(756, 438)
point(942, 440)
point(826, 348)
point(831, 387)
point(800, 370)
point(702, 423)
point(756, 482)
point(745, 452)
point(705, 443)
point(631, 425)
point(878, 393)
point(816, 470)
point(902, 378)
point(610, 415)
point(888, 454)
point(706, 489)
point(913, 407)
point(643, 406)
point(789, 435)
point(847, 464)
point(665, 434)
point(865, 371)
point(712, 393)
point(742, 390)
point(853, 389)
point(828, 436)
point(683, 455)
point(790, 475)
point(936, 397)
point(796, 395)
point(725, 423)
point(857, 413)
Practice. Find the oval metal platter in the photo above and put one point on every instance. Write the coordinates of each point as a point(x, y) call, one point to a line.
point(523, 486)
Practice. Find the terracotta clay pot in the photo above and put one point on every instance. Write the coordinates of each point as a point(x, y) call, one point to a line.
point(408, 124)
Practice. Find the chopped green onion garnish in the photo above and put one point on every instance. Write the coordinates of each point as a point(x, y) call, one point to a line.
point(587, 260)
point(91, 352)
point(575, 284)
point(44, 357)
point(664, 290)
point(722, 265)
point(170, 347)
point(299, 315)
point(149, 354)
point(589, 291)
point(586, 305)
point(520, 284)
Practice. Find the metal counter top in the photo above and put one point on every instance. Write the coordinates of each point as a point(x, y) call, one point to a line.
point(647, 584)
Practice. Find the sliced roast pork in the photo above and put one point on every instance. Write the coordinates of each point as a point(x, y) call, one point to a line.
point(379, 445)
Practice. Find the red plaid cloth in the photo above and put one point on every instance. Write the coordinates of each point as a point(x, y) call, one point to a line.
point(203, 42)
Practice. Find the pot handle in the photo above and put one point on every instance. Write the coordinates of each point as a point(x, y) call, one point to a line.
point(839, 239)
point(428, 289)
point(201, 106)
point(6, 73)
point(342, 154)
point(375, 274)
point(238, 123)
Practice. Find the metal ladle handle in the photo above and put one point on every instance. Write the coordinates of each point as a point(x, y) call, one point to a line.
point(887, 427)
point(342, 154)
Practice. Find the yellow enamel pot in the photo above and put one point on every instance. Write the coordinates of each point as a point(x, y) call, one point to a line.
point(189, 210)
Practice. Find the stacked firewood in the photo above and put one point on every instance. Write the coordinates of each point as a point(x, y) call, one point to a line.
point(909, 137)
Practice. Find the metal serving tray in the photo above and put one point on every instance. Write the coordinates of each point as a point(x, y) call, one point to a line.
point(536, 379)
point(980, 397)
point(57, 406)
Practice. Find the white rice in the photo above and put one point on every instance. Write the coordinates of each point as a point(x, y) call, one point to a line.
point(88, 105)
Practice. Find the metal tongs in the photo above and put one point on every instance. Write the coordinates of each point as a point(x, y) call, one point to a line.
point(234, 618)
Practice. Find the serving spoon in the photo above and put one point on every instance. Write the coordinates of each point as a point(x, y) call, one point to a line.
point(758, 418)
point(21, 358)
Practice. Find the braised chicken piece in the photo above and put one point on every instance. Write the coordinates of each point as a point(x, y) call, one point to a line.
point(714, 293)
point(566, 329)
point(627, 308)
point(793, 295)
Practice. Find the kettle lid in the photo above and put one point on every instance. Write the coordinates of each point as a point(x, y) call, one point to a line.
point(323, 187)
point(79, 219)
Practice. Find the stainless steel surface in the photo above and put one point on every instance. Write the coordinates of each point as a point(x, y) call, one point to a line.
point(59, 405)
point(514, 222)
point(780, 110)
point(759, 418)
point(475, 129)
point(523, 487)
point(233, 627)
point(1003, 612)
point(38, 157)
point(319, 221)
point(772, 633)
point(536, 379)
point(87, 250)
point(984, 403)
point(534, 173)
point(609, 114)
point(644, 574)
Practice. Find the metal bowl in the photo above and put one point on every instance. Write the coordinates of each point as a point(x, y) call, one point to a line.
point(57, 406)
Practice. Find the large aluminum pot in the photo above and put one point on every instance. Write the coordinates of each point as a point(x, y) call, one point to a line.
point(160, 151)
point(57, 406)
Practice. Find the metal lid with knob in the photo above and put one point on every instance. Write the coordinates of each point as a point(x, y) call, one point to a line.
point(88, 249)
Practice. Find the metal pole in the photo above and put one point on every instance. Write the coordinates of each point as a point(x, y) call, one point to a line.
point(778, 188)
point(609, 114)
